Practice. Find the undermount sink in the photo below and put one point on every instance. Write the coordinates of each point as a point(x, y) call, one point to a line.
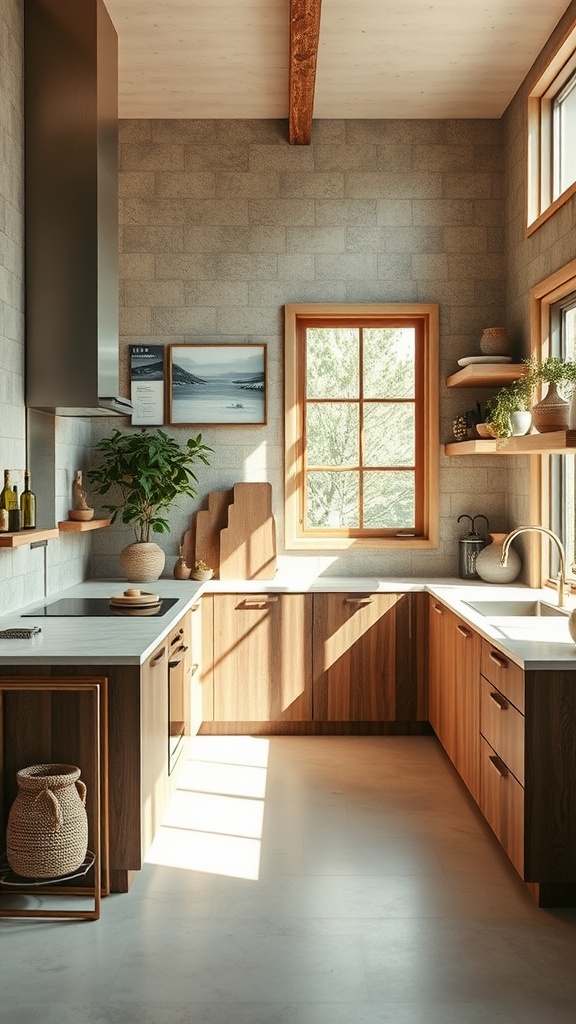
point(516, 608)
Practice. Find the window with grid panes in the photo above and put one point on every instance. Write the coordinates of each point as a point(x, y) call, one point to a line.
point(361, 425)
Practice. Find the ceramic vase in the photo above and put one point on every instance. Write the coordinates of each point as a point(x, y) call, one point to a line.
point(488, 562)
point(494, 341)
point(552, 413)
point(47, 833)
point(520, 422)
point(142, 561)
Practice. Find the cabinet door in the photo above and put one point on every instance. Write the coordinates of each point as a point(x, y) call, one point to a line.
point(261, 661)
point(154, 759)
point(467, 647)
point(195, 670)
point(454, 699)
point(365, 658)
point(502, 804)
point(437, 702)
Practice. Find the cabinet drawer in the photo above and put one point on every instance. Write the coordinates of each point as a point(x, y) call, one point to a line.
point(502, 804)
point(503, 727)
point(503, 674)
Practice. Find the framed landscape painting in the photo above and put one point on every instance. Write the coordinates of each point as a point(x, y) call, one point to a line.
point(218, 384)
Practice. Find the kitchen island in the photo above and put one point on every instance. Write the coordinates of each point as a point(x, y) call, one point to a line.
point(132, 654)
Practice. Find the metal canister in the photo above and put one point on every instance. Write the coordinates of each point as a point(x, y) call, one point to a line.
point(469, 546)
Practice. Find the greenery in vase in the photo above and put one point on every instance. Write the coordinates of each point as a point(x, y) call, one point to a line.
point(148, 470)
point(552, 370)
point(515, 397)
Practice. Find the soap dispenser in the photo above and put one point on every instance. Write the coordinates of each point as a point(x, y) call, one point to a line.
point(469, 547)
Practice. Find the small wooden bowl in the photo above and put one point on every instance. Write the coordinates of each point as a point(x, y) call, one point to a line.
point(80, 515)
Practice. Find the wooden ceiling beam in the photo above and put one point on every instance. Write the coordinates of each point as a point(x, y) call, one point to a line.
point(304, 38)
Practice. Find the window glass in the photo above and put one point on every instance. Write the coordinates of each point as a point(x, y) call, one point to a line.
point(564, 137)
point(361, 425)
point(563, 467)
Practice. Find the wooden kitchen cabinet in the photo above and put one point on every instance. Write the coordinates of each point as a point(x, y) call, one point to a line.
point(367, 660)
point(261, 666)
point(454, 699)
point(154, 710)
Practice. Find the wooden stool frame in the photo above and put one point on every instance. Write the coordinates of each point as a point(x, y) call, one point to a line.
point(97, 689)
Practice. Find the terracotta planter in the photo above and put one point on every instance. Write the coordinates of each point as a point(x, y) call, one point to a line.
point(142, 561)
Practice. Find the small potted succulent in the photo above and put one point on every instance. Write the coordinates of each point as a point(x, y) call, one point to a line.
point(201, 571)
point(148, 471)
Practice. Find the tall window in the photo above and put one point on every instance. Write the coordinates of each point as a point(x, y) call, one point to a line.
point(552, 134)
point(361, 426)
point(553, 477)
point(564, 138)
point(563, 467)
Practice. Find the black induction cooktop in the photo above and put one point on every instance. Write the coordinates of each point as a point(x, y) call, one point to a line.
point(96, 606)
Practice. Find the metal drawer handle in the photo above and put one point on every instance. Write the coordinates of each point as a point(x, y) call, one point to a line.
point(181, 652)
point(194, 607)
point(257, 602)
point(194, 670)
point(464, 632)
point(499, 660)
point(358, 600)
point(159, 657)
point(499, 766)
point(500, 701)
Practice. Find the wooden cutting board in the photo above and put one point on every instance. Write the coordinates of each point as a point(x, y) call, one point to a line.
point(202, 540)
point(248, 542)
point(209, 523)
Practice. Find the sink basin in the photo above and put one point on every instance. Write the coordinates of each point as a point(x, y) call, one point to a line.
point(518, 607)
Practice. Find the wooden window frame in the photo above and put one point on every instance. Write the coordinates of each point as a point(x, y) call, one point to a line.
point(560, 68)
point(543, 297)
point(296, 537)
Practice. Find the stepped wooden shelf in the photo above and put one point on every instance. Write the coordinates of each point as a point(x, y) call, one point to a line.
point(16, 540)
point(557, 442)
point(486, 375)
point(70, 526)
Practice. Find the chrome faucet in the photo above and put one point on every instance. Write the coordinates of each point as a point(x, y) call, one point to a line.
point(549, 533)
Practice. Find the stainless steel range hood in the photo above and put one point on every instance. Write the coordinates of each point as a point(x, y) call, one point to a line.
point(71, 182)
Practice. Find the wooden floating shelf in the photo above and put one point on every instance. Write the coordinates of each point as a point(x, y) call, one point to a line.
point(557, 442)
point(22, 537)
point(71, 526)
point(486, 375)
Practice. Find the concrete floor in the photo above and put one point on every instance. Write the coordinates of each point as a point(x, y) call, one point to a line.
point(334, 880)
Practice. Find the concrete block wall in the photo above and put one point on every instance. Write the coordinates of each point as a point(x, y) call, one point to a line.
point(222, 223)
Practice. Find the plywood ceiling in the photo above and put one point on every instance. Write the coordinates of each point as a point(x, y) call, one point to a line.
point(376, 59)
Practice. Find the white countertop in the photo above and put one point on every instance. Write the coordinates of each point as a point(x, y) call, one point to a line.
point(540, 643)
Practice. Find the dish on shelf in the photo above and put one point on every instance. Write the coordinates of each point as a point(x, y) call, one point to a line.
point(468, 360)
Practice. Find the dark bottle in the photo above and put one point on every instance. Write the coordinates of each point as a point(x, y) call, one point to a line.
point(27, 504)
point(14, 513)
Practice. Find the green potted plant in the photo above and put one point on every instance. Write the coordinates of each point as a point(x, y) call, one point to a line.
point(504, 409)
point(147, 471)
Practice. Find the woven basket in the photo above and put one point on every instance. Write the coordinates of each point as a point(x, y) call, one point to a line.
point(47, 833)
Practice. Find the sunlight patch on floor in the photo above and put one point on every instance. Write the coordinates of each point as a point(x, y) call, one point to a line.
point(214, 820)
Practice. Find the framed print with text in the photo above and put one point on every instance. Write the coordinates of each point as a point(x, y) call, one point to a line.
point(217, 384)
point(147, 384)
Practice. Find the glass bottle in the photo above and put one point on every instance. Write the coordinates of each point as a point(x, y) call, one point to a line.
point(8, 499)
point(14, 513)
point(27, 504)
